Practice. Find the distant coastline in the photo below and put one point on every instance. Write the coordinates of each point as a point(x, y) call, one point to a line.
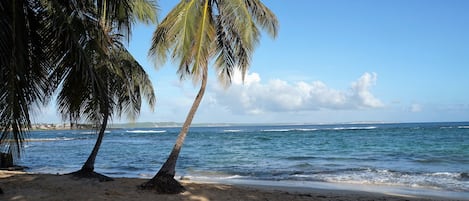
point(62, 126)
point(68, 126)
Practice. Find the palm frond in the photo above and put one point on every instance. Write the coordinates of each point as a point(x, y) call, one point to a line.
point(238, 34)
point(145, 11)
point(23, 66)
point(204, 42)
point(130, 85)
point(188, 35)
point(173, 36)
point(47, 45)
point(263, 17)
point(122, 14)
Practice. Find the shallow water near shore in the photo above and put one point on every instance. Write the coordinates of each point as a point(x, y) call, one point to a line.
point(308, 186)
point(417, 156)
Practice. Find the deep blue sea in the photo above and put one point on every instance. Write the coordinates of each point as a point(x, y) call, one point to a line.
point(411, 155)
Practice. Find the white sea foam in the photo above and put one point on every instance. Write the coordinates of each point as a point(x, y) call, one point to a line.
point(446, 127)
point(232, 131)
point(213, 177)
point(463, 127)
point(145, 175)
point(306, 129)
point(436, 180)
point(49, 139)
point(315, 129)
point(444, 174)
point(235, 177)
point(92, 132)
point(276, 130)
point(355, 128)
point(145, 131)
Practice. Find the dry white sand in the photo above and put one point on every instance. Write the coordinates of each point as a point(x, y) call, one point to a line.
point(20, 186)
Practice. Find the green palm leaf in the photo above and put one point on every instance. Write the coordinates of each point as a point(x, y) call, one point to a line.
point(68, 46)
point(24, 67)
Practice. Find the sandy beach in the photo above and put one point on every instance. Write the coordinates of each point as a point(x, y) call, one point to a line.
point(20, 186)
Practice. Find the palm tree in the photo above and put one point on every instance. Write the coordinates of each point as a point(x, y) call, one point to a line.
point(43, 42)
point(113, 81)
point(195, 32)
point(125, 83)
point(24, 65)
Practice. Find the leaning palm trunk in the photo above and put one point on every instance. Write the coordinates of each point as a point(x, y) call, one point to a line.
point(87, 170)
point(163, 181)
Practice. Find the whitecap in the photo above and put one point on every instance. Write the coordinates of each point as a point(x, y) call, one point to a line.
point(444, 174)
point(306, 129)
point(145, 131)
point(232, 131)
point(145, 176)
point(355, 128)
point(49, 139)
point(276, 130)
point(235, 177)
point(92, 132)
point(446, 127)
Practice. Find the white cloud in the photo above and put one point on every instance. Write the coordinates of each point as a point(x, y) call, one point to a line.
point(256, 97)
point(361, 91)
point(415, 108)
point(248, 79)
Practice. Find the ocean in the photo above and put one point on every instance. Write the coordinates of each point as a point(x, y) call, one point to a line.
point(415, 156)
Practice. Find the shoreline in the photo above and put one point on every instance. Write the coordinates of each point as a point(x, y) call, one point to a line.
point(27, 186)
point(306, 186)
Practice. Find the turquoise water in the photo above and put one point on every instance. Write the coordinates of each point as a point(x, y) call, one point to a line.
point(418, 155)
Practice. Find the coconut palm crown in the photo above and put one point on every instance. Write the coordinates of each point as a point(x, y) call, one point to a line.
point(73, 47)
point(106, 81)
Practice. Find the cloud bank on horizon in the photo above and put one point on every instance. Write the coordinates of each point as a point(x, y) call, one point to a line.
point(256, 97)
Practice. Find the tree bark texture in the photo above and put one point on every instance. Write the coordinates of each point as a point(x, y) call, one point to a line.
point(163, 181)
point(87, 170)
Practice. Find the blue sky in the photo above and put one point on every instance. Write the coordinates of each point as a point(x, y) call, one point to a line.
point(333, 61)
